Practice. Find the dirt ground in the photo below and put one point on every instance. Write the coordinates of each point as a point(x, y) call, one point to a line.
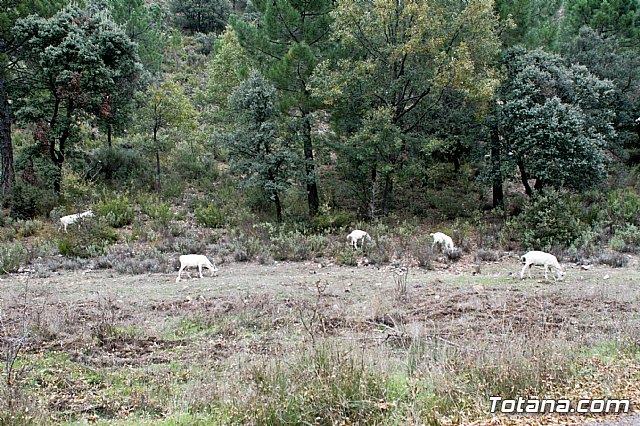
point(292, 301)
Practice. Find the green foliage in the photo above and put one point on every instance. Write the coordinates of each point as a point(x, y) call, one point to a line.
point(201, 169)
point(623, 208)
point(626, 239)
point(618, 18)
point(396, 61)
point(144, 24)
point(158, 211)
point(119, 165)
point(12, 255)
point(607, 57)
point(210, 216)
point(165, 106)
point(331, 219)
point(548, 220)
point(554, 121)
point(30, 201)
point(81, 63)
point(89, 239)
point(116, 211)
point(531, 23)
point(201, 16)
point(257, 151)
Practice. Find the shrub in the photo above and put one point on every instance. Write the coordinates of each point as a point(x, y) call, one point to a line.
point(116, 211)
point(89, 240)
point(346, 256)
point(11, 256)
point(328, 219)
point(117, 164)
point(161, 213)
point(487, 255)
point(549, 219)
point(623, 208)
point(210, 216)
point(30, 201)
point(615, 260)
point(27, 228)
point(626, 239)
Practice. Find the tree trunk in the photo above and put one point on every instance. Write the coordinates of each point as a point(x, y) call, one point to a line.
point(157, 149)
point(387, 194)
point(497, 190)
point(278, 204)
point(310, 168)
point(525, 178)
point(456, 164)
point(374, 193)
point(109, 131)
point(7, 178)
point(538, 185)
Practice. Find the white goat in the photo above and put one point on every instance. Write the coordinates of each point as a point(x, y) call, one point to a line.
point(73, 218)
point(541, 258)
point(358, 235)
point(193, 260)
point(444, 240)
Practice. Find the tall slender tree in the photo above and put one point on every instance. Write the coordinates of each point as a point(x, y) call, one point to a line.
point(289, 40)
point(164, 106)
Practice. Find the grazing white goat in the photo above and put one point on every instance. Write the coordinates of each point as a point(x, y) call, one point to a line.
point(195, 260)
point(73, 218)
point(358, 235)
point(445, 241)
point(541, 258)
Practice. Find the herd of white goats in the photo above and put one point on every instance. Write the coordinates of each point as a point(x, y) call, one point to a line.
point(538, 258)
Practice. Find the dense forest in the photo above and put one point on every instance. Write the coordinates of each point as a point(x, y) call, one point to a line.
point(520, 116)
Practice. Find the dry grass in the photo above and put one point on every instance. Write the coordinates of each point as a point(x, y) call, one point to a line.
point(296, 342)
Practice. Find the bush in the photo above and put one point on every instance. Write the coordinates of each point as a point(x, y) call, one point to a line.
point(87, 240)
point(548, 220)
point(210, 216)
point(11, 256)
point(161, 213)
point(29, 201)
point(623, 208)
point(328, 219)
point(487, 255)
point(615, 260)
point(117, 164)
point(116, 211)
point(27, 228)
point(626, 239)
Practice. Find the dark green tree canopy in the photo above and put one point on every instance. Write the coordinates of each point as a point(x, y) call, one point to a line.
point(608, 59)
point(555, 121)
point(80, 65)
point(257, 151)
point(201, 16)
point(620, 18)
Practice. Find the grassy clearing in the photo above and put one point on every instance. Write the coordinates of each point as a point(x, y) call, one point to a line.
point(287, 344)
